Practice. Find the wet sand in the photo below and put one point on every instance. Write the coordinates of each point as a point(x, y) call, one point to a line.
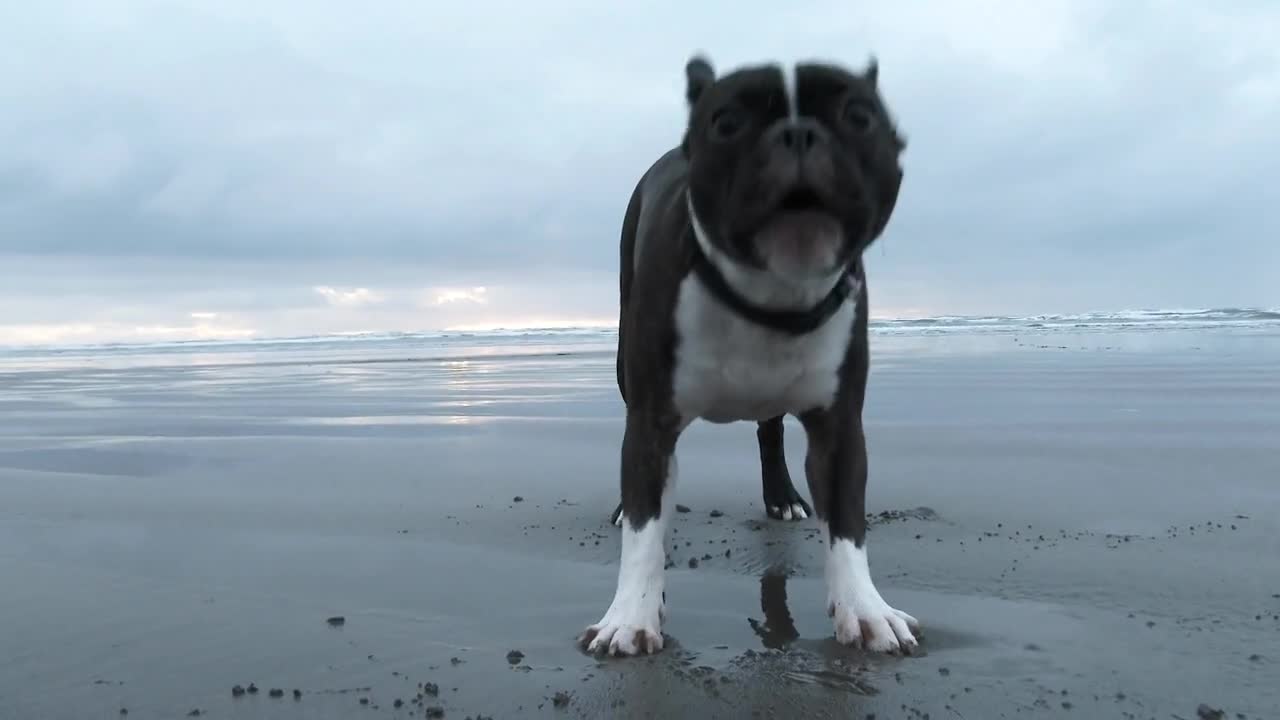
point(1086, 529)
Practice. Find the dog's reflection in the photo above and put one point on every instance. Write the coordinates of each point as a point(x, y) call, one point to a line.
point(778, 629)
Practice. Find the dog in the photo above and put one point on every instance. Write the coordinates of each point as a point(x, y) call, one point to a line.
point(744, 298)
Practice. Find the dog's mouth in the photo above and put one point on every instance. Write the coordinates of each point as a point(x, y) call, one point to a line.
point(802, 199)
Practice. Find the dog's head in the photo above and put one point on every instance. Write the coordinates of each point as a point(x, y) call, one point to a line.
point(792, 170)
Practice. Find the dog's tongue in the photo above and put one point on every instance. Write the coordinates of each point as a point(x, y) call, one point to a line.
point(800, 241)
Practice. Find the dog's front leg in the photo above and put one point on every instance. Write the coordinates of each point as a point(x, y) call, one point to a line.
point(633, 622)
point(836, 466)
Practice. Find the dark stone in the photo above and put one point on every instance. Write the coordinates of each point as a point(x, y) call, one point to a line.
point(514, 657)
point(253, 689)
point(237, 691)
point(683, 509)
point(517, 498)
point(693, 562)
point(435, 711)
point(336, 621)
point(431, 689)
point(275, 692)
point(1204, 712)
point(297, 694)
point(716, 514)
point(398, 703)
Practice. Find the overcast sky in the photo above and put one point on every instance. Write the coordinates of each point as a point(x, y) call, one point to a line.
point(183, 169)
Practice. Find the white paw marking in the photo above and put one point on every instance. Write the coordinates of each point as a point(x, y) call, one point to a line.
point(854, 602)
point(633, 622)
point(794, 511)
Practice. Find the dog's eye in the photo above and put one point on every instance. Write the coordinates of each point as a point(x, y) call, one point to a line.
point(727, 122)
point(859, 115)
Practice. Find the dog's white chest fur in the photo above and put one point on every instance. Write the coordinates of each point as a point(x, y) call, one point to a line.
point(728, 368)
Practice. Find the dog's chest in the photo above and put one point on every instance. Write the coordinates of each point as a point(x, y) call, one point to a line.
point(728, 368)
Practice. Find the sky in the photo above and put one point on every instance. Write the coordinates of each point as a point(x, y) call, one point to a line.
point(182, 169)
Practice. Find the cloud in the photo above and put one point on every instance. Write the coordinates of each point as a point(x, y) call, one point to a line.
point(356, 297)
point(445, 296)
point(245, 156)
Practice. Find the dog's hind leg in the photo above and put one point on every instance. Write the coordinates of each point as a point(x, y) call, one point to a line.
point(781, 499)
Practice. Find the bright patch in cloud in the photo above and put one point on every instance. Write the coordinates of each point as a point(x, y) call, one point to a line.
point(355, 297)
point(204, 315)
point(453, 295)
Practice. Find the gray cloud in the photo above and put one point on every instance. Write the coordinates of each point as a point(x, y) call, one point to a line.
point(1062, 155)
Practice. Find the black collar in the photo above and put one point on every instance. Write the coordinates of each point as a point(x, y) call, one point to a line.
point(793, 322)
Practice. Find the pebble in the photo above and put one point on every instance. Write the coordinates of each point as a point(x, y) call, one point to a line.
point(297, 694)
point(237, 691)
point(693, 562)
point(514, 657)
point(683, 509)
point(716, 514)
point(275, 692)
point(253, 689)
point(337, 621)
point(435, 711)
point(517, 498)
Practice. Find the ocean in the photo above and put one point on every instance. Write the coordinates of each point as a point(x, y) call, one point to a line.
point(1164, 329)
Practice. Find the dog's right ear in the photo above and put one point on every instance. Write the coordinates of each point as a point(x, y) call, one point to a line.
point(699, 75)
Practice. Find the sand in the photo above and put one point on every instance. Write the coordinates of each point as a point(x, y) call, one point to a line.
point(1087, 528)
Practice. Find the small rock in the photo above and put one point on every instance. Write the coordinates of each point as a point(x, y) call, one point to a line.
point(435, 711)
point(297, 694)
point(1255, 658)
point(455, 661)
point(1204, 712)
point(561, 699)
point(431, 689)
point(944, 671)
point(237, 691)
point(124, 711)
point(364, 701)
point(336, 621)
point(517, 498)
point(693, 562)
point(253, 689)
point(716, 514)
point(514, 657)
point(398, 703)
point(276, 693)
point(194, 713)
point(683, 509)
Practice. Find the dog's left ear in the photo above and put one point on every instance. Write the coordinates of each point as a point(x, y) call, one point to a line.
point(699, 75)
point(872, 73)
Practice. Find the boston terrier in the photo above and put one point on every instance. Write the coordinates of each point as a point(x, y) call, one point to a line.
point(743, 298)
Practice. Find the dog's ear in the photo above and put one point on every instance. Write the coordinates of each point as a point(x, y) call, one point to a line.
point(699, 75)
point(872, 73)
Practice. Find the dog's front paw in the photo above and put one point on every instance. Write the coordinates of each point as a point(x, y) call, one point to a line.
point(867, 621)
point(625, 633)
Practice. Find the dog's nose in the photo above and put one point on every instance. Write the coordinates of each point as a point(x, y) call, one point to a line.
point(797, 135)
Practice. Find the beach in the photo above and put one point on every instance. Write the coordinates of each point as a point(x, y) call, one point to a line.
point(1082, 516)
